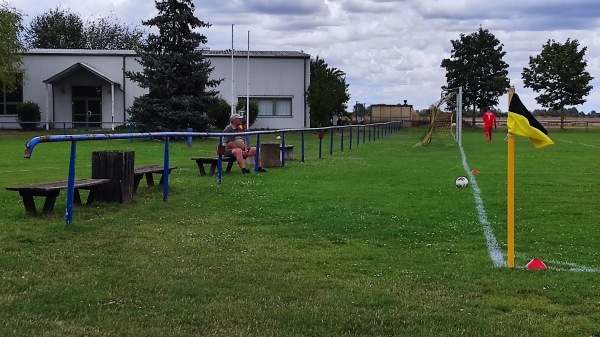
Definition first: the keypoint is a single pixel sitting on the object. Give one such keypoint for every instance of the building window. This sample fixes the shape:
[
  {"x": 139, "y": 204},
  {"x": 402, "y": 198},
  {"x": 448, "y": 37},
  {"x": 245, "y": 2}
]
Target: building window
[
  {"x": 10, "y": 100},
  {"x": 272, "y": 106}
]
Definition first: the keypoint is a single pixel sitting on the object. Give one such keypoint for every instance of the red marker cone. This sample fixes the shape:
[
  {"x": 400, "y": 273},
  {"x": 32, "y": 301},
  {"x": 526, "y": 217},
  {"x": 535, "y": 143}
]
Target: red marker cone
[
  {"x": 475, "y": 171},
  {"x": 536, "y": 264}
]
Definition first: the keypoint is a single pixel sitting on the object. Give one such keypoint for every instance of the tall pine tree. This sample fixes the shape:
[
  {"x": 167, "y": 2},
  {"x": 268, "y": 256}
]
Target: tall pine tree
[{"x": 175, "y": 72}]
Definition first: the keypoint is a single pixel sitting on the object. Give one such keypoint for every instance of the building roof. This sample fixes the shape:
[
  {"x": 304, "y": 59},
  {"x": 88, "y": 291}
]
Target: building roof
[
  {"x": 206, "y": 52},
  {"x": 256, "y": 53},
  {"x": 393, "y": 105},
  {"x": 76, "y": 68},
  {"x": 77, "y": 52}
]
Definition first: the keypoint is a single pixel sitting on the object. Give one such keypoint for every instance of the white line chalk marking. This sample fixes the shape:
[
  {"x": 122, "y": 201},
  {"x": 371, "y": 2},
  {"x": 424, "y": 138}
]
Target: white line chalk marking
[
  {"x": 498, "y": 258},
  {"x": 568, "y": 141},
  {"x": 490, "y": 239}
]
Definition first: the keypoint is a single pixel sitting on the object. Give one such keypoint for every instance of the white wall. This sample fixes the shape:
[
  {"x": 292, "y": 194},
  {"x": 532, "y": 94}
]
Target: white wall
[
  {"x": 270, "y": 76},
  {"x": 43, "y": 64}
]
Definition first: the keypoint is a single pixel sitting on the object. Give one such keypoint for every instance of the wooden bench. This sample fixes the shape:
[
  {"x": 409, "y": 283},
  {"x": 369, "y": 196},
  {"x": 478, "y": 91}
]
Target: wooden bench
[
  {"x": 148, "y": 171},
  {"x": 213, "y": 161},
  {"x": 52, "y": 190}
]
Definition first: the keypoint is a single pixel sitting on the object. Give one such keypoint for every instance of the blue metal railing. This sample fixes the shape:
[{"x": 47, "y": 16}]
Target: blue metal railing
[{"x": 189, "y": 135}]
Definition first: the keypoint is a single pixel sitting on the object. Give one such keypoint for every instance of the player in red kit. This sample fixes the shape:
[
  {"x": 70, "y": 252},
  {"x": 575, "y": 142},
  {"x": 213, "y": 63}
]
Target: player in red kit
[{"x": 489, "y": 120}]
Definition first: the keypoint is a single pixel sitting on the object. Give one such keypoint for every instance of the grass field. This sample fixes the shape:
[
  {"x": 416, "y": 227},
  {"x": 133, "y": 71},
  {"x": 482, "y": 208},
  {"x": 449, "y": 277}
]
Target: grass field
[{"x": 372, "y": 241}]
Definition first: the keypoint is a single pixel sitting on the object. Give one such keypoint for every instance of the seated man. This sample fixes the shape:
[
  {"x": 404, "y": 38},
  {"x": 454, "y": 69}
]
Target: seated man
[{"x": 235, "y": 146}]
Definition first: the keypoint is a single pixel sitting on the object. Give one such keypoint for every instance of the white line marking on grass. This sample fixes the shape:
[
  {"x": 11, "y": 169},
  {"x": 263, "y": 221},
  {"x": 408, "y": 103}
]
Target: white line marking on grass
[
  {"x": 490, "y": 239},
  {"x": 564, "y": 266},
  {"x": 492, "y": 244},
  {"x": 573, "y": 267},
  {"x": 568, "y": 141}
]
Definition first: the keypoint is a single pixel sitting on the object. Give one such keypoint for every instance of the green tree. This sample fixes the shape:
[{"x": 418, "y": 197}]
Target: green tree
[
  {"x": 327, "y": 94},
  {"x": 559, "y": 74},
  {"x": 56, "y": 29},
  {"x": 29, "y": 115},
  {"x": 476, "y": 64},
  {"x": 175, "y": 72},
  {"x": 109, "y": 33},
  {"x": 219, "y": 115},
  {"x": 241, "y": 105},
  {"x": 360, "y": 109},
  {"x": 61, "y": 29},
  {"x": 11, "y": 67}
]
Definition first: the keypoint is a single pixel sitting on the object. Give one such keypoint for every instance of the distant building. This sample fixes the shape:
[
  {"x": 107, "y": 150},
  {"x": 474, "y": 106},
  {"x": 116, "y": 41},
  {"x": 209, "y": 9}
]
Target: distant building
[
  {"x": 88, "y": 88},
  {"x": 386, "y": 113}
]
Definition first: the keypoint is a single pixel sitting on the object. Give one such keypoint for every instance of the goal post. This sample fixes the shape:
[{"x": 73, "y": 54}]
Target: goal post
[
  {"x": 445, "y": 127},
  {"x": 459, "y": 112},
  {"x": 458, "y": 119}
]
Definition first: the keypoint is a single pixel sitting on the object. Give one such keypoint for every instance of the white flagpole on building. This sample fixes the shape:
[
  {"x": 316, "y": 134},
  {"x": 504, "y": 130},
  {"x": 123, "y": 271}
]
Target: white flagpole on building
[
  {"x": 248, "y": 86},
  {"x": 232, "y": 103}
]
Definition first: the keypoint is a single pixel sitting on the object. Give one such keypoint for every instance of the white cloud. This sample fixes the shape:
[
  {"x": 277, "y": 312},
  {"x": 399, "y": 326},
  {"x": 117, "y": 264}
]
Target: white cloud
[{"x": 391, "y": 50}]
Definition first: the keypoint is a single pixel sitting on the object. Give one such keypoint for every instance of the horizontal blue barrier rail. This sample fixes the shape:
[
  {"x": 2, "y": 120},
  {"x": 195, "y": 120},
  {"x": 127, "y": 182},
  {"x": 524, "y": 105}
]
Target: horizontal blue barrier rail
[{"x": 379, "y": 129}]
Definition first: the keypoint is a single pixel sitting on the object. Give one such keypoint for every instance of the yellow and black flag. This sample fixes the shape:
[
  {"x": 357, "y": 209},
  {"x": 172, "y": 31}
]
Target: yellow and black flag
[{"x": 521, "y": 122}]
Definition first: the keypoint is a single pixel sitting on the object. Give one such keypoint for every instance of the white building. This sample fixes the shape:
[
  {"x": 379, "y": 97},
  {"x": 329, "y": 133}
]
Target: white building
[{"x": 88, "y": 88}]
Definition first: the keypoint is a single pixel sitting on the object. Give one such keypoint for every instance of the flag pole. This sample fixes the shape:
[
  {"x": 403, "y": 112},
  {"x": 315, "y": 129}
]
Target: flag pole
[
  {"x": 232, "y": 90},
  {"x": 248, "y": 90},
  {"x": 510, "y": 206},
  {"x": 248, "y": 85}
]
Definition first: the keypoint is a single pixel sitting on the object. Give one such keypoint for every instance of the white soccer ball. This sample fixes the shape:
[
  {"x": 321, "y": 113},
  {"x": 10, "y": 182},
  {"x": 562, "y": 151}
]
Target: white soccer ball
[{"x": 462, "y": 182}]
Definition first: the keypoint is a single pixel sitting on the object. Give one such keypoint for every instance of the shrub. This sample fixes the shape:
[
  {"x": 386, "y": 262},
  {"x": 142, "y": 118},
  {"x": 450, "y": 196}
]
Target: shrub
[
  {"x": 253, "y": 109},
  {"x": 29, "y": 115},
  {"x": 126, "y": 128},
  {"x": 220, "y": 114},
  {"x": 177, "y": 113}
]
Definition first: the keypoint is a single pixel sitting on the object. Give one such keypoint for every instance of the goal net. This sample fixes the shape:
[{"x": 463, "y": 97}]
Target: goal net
[{"x": 442, "y": 127}]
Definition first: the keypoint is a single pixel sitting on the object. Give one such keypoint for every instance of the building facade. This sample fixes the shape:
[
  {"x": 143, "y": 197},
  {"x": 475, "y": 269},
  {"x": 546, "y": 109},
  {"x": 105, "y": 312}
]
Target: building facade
[{"x": 89, "y": 89}]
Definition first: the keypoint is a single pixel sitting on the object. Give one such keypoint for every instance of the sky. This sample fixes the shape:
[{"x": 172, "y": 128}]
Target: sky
[{"x": 390, "y": 50}]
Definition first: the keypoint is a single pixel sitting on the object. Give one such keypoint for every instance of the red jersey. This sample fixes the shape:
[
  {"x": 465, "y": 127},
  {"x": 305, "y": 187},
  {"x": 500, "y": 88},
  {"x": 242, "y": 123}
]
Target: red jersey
[{"x": 489, "y": 119}]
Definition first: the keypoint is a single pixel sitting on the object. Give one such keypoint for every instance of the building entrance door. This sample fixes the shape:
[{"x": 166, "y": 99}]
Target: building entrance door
[{"x": 87, "y": 106}]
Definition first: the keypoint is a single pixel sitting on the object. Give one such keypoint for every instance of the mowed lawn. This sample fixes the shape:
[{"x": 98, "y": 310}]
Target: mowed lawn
[{"x": 372, "y": 241}]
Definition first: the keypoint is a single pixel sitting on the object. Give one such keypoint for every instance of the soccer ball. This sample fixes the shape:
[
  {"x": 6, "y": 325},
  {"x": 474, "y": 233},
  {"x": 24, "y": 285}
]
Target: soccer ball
[{"x": 461, "y": 182}]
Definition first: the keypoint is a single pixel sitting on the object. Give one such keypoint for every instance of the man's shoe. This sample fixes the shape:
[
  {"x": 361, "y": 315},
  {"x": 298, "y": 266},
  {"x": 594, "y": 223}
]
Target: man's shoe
[
  {"x": 245, "y": 171},
  {"x": 260, "y": 169}
]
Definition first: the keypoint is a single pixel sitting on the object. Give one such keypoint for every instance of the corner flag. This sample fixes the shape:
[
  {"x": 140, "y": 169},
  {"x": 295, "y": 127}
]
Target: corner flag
[{"x": 521, "y": 122}]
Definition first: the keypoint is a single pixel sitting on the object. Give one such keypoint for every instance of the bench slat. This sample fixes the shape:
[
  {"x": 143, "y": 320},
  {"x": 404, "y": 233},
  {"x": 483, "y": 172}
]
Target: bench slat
[
  {"x": 138, "y": 174},
  {"x": 213, "y": 161},
  {"x": 52, "y": 190},
  {"x": 58, "y": 185},
  {"x": 151, "y": 169}
]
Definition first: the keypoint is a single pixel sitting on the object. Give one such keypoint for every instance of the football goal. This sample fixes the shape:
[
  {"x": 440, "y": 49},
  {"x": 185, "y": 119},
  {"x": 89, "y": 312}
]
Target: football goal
[{"x": 443, "y": 128}]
